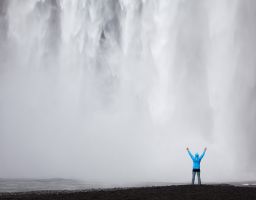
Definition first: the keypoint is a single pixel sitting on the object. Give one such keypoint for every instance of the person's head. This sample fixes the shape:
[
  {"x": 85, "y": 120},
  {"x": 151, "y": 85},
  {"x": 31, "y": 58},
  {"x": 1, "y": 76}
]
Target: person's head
[{"x": 196, "y": 155}]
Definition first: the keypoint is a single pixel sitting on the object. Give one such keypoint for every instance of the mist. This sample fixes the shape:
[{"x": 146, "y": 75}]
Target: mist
[{"x": 113, "y": 91}]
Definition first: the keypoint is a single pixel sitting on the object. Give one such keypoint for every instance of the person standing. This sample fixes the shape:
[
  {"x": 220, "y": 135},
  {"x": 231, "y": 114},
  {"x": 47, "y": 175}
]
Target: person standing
[{"x": 196, "y": 165}]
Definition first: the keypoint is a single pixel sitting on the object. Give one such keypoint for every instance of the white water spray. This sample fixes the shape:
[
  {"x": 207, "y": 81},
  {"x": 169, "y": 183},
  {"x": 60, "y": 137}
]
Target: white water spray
[{"x": 113, "y": 91}]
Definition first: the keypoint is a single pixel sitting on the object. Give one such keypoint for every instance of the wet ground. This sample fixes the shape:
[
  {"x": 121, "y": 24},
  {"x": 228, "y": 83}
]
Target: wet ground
[{"x": 181, "y": 192}]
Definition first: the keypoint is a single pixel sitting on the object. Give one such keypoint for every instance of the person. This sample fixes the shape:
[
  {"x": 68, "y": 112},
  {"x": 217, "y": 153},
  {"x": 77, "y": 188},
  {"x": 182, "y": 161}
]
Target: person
[{"x": 196, "y": 165}]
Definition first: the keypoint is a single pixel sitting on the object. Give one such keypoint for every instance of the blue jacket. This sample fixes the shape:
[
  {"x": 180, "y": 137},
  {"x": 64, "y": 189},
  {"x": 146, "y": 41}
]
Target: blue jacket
[{"x": 196, "y": 159}]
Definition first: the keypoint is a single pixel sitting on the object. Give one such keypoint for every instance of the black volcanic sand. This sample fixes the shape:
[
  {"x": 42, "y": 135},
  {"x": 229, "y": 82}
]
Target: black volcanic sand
[{"x": 182, "y": 192}]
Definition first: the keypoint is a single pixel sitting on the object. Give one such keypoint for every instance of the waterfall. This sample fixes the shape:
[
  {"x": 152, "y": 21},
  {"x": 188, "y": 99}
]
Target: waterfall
[{"x": 114, "y": 90}]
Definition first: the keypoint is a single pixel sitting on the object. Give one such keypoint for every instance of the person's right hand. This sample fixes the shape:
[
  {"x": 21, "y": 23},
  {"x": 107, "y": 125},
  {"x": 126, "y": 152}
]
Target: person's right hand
[
  {"x": 187, "y": 148},
  {"x": 205, "y": 148}
]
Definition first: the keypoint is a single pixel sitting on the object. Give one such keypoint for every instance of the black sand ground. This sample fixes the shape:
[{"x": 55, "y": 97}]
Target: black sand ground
[{"x": 182, "y": 192}]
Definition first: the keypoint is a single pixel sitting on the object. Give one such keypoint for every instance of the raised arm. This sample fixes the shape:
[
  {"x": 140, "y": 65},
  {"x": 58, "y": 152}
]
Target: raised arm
[
  {"x": 190, "y": 154},
  {"x": 203, "y": 153}
]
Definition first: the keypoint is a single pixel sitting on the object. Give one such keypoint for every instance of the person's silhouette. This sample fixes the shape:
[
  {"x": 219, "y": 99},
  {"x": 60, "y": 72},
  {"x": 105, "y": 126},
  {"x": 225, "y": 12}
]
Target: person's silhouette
[{"x": 196, "y": 165}]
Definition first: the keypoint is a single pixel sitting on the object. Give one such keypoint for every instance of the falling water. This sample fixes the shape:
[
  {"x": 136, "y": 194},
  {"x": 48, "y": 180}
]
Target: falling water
[{"x": 114, "y": 90}]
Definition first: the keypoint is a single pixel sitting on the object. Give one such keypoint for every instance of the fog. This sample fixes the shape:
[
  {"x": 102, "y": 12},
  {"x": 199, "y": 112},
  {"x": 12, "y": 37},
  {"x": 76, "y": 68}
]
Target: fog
[{"x": 113, "y": 91}]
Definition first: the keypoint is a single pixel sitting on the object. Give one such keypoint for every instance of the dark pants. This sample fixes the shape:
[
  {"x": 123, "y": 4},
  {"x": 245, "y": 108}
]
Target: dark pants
[{"x": 194, "y": 172}]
